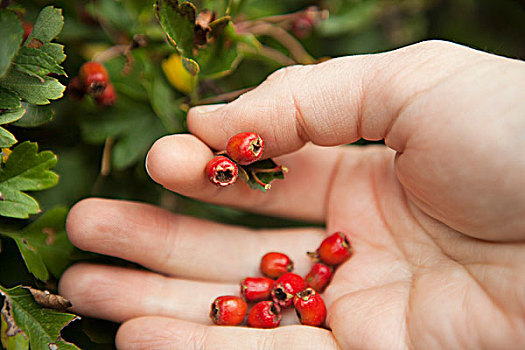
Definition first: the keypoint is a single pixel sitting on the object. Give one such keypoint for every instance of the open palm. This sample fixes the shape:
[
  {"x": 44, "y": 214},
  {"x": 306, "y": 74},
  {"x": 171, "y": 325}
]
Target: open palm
[{"x": 436, "y": 219}]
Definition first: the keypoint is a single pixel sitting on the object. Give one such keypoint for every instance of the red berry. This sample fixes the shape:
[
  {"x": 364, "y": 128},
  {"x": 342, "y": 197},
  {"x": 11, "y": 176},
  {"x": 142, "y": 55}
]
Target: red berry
[
  {"x": 245, "y": 148},
  {"x": 108, "y": 97},
  {"x": 302, "y": 26},
  {"x": 334, "y": 250},
  {"x": 285, "y": 288},
  {"x": 274, "y": 265},
  {"x": 264, "y": 314},
  {"x": 221, "y": 171},
  {"x": 310, "y": 307},
  {"x": 319, "y": 277},
  {"x": 75, "y": 89},
  {"x": 256, "y": 288},
  {"x": 94, "y": 77},
  {"x": 228, "y": 310}
]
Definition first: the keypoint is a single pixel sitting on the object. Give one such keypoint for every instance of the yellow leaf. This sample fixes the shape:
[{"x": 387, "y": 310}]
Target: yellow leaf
[
  {"x": 5, "y": 152},
  {"x": 177, "y": 75}
]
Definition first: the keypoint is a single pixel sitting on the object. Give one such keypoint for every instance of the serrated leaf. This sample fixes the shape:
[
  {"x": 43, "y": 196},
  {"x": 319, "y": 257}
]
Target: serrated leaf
[
  {"x": 41, "y": 325},
  {"x": 17, "y": 341},
  {"x": 26, "y": 169},
  {"x": 44, "y": 245},
  {"x": 6, "y": 140},
  {"x": 31, "y": 89},
  {"x": 8, "y": 100},
  {"x": 11, "y": 115},
  {"x": 11, "y": 35},
  {"x": 38, "y": 62},
  {"x": 47, "y": 26},
  {"x": 254, "y": 170},
  {"x": 177, "y": 18},
  {"x": 54, "y": 50},
  {"x": 35, "y": 115}
]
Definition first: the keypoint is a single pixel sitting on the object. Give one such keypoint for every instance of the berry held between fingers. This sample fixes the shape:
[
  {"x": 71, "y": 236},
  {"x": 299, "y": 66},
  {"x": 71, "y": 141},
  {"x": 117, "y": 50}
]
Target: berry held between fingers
[
  {"x": 264, "y": 314},
  {"x": 228, "y": 310},
  {"x": 285, "y": 288},
  {"x": 256, "y": 288},
  {"x": 94, "y": 77},
  {"x": 274, "y": 265},
  {"x": 221, "y": 171},
  {"x": 245, "y": 148},
  {"x": 310, "y": 307}
]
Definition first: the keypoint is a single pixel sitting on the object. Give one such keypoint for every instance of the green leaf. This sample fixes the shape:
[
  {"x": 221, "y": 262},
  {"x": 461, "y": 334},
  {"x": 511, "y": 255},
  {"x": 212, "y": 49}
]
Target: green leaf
[
  {"x": 42, "y": 326},
  {"x": 163, "y": 103},
  {"x": 6, "y": 140},
  {"x": 178, "y": 21},
  {"x": 38, "y": 62},
  {"x": 216, "y": 60},
  {"x": 8, "y": 100},
  {"x": 31, "y": 89},
  {"x": 17, "y": 341},
  {"x": 54, "y": 50},
  {"x": 47, "y": 26},
  {"x": 44, "y": 245},
  {"x": 35, "y": 116},
  {"x": 11, "y": 35},
  {"x": 25, "y": 170},
  {"x": 11, "y": 115},
  {"x": 249, "y": 172}
]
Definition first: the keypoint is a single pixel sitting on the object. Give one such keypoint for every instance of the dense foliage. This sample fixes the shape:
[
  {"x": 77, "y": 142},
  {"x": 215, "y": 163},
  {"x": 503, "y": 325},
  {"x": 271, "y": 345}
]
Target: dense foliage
[{"x": 163, "y": 57}]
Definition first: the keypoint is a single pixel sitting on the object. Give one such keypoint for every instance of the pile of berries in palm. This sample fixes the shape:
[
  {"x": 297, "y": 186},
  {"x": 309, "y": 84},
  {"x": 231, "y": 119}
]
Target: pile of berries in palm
[
  {"x": 281, "y": 289},
  {"x": 93, "y": 80},
  {"x": 242, "y": 159}
]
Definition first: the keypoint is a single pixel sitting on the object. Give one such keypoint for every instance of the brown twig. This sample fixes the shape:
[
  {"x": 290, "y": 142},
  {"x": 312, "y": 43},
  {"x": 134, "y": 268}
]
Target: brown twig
[
  {"x": 105, "y": 165},
  {"x": 226, "y": 97},
  {"x": 270, "y": 53}
]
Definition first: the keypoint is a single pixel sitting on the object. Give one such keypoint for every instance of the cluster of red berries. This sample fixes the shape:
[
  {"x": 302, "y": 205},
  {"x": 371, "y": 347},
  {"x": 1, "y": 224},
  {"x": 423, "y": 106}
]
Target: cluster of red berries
[
  {"x": 93, "y": 79},
  {"x": 282, "y": 289},
  {"x": 242, "y": 149}
]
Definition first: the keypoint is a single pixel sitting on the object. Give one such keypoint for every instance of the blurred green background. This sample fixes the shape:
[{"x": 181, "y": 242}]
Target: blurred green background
[{"x": 353, "y": 27}]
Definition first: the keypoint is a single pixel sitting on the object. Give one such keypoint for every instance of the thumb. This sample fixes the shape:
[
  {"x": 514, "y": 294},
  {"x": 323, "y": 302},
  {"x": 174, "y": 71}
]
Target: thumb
[{"x": 332, "y": 103}]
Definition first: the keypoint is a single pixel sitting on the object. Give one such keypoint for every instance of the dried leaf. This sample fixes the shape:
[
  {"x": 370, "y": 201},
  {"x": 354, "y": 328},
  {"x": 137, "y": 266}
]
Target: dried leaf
[{"x": 49, "y": 300}]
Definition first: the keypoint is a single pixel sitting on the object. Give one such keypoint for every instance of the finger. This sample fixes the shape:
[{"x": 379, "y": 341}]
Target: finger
[
  {"x": 178, "y": 162},
  {"x": 167, "y": 333},
  {"x": 119, "y": 294},
  {"x": 332, "y": 103},
  {"x": 182, "y": 246}
]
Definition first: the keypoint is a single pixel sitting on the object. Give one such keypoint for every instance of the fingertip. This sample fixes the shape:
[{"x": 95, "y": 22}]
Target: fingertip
[{"x": 178, "y": 162}]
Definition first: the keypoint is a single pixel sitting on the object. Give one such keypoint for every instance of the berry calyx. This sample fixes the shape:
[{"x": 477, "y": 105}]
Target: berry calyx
[
  {"x": 334, "y": 250},
  {"x": 274, "y": 265},
  {"x": 256, "y": 288},
  {"x": 245, "y": 148},
  {"x": 310, "y": 307},
  {"x": 264, "y": 314},
  {"x": 221, "y": 171},
  {"x": 285, "y": 288},
  {"x": 108, "y": 97},
  {"x": 318, "y": 277},
  {"x": 228, "y": 310},
  {"x": 94, "y": 77}
]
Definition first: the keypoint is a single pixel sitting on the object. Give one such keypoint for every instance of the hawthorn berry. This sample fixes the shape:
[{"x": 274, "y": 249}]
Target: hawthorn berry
[
  {"x": 108, "y": 97},
  {"x": 334, "y": 250},
  {"x": 302, "y": 26},
  {"x": 274, "y": 264},
  {"x": 94, "y": 77},
  {"x": 319, "y": 276},
  {"x": 256, "y": 288},
  {"x": 264, "y": 314},
  {"x": 310, "y": 307},
  {"x": 245, "y": 148},
  {"x": 285, "y": 288},
  {"x": 228, "y": 310},
  {"x": 221, "y": 171}
]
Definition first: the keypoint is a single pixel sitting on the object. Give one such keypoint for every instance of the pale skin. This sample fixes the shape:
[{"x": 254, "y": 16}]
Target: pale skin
[{"x": 436, "y": 218}]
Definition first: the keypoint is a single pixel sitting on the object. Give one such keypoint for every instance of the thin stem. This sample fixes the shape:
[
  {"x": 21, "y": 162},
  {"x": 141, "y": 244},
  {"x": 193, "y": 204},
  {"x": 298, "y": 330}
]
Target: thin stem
[
  {"x": 105, "y": 165},
  {"x": 256, "y": 179},
  {"x": 226, "y": 97},
  {"x": 278, "y": 168},
  {"x": 268, "y": 52}
]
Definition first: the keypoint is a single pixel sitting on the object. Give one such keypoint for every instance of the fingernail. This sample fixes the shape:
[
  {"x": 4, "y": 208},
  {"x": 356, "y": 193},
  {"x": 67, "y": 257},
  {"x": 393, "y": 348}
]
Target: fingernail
[{"x": 206, "y": 108}]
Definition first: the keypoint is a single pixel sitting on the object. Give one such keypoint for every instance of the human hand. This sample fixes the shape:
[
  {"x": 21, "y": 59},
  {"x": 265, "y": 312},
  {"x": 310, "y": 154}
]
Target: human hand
[{"x": 436, "y": 219}]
